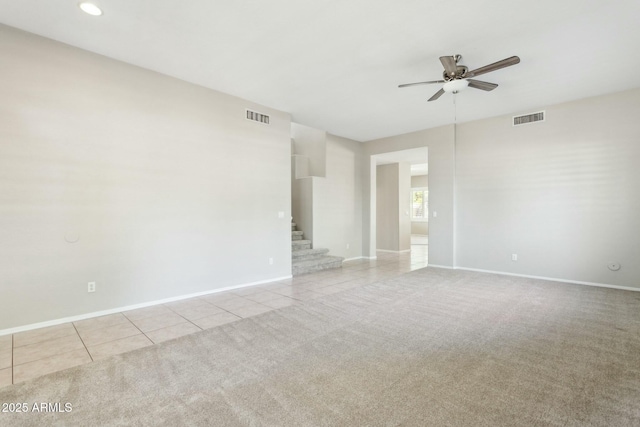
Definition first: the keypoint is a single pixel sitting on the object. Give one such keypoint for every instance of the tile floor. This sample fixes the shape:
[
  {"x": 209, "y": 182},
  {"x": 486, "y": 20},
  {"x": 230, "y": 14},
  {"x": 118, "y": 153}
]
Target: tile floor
[{"x": 30, "y": 354}]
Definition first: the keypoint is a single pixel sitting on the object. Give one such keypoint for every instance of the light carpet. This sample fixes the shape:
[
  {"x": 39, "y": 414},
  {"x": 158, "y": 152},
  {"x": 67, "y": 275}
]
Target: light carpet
[{"x": 428, "y": 348}]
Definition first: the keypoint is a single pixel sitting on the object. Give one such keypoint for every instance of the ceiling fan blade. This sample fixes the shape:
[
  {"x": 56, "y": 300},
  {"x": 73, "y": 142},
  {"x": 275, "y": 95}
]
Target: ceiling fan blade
[
  {"x": 421, "y": 83},
  {"x": 449, "y": 64},
  {"x": 495, "y": 66},
  {"x": 437, "y": 95},
  {"x": 482, "y": 85}
]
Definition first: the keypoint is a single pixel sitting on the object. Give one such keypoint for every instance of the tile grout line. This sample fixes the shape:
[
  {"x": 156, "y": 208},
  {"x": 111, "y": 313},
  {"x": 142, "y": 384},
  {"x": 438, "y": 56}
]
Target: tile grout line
[
  {"x": 136, "y": 326},
  {"x": 176, "y": 313},
  {"x": 230, "y": 312},
  {"x": 48, "y": 357},
  {"x": 117, "y": 339},
  {"x": 82, "y": 341},
  {"x": 380, "y": 266},
  {"x": 189, "y": 321}
]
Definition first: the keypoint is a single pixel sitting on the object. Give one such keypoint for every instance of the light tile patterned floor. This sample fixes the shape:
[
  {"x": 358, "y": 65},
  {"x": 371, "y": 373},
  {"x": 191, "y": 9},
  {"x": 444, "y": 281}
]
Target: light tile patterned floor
[{"x": 30, "y": 354}]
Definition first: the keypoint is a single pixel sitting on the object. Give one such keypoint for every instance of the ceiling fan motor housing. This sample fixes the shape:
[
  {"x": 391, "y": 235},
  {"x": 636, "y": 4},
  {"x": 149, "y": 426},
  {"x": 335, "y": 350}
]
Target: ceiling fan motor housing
[{"x": 461, "y": 72}]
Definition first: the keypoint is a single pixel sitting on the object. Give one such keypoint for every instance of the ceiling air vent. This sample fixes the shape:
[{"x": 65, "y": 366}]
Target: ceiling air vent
[
  {"x": 257, "y": 117},
  {"x": 528, "y": 118}
]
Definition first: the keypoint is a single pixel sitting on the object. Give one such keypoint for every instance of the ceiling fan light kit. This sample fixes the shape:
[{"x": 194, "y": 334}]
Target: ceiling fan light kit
[
  {"x": 458, "y": 77},
  {"x": 455, "y": 85}
]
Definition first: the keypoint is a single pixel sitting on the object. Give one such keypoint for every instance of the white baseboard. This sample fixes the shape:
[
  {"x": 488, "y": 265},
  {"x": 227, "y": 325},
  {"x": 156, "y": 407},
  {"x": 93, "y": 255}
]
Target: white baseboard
[
  {"x": 448, "y": 267},
  {"x": 132, "y": 307},
  {"x": 394, "y": 252},
  {"x": 552, "y": 279},
  {"x": 354, "y": 258}
]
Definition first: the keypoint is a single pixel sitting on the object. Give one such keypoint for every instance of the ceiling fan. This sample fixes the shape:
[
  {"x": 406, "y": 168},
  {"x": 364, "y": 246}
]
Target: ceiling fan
[{"x": 457, "y": 77}]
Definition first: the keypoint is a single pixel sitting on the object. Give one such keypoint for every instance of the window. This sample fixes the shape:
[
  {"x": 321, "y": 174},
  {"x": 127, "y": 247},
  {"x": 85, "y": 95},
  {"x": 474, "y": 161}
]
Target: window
[{"x": 419, "y": 204}]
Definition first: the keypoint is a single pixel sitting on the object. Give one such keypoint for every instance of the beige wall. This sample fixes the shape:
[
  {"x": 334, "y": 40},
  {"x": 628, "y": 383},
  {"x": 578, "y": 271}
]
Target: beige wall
[
  {"x": 441, "y": 180},
  {"x": 387, "y": 212},
  {"x": 166, "y": 186},
  {"x": 312, "y": 144},
  {"x": 149, "y": 174},
  {"x": 419, "y": 181},
  {"x": 328, "y": 209},
  {"x": 419, "y": 228},
  {"x": 302, "y": 205},
  {"x": 393, "y": 222},
  {"x": 564, "y": 194},
  {"x": 337, "y": 199},
  {"x": 404, "y": 206}
]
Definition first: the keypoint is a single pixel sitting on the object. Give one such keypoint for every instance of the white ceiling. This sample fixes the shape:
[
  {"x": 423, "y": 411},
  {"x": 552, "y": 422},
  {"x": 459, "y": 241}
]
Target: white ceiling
[{"x": 335, "y": 65}]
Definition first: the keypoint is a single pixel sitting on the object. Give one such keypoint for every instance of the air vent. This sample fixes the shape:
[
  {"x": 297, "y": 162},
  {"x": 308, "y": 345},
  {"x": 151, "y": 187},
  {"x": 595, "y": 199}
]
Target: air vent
[
  {"x": 528, "y": 118},
  {"x": 257, "y": 117}
]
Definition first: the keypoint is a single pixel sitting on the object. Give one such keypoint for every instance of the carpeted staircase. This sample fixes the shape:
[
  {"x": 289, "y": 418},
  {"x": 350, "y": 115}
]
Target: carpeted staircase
[{"x": 307, "y": 260}]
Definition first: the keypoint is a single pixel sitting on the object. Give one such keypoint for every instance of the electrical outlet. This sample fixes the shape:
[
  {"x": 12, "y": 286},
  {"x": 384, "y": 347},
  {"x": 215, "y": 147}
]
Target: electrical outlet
[
  {"x": 91, "y": 287},
  {"x": 514, "y": 257},
  {"x": 270, "y": 261},
  {"x": 347, "y": 246}
]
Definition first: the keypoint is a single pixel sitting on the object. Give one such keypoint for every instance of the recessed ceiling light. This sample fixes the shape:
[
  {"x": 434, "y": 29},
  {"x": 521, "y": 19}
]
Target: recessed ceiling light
[{"x": 90, "y": 8}]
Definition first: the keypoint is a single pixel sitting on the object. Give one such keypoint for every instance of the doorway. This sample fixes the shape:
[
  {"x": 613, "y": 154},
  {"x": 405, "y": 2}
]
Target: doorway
[{"x": 401, "y": 206}]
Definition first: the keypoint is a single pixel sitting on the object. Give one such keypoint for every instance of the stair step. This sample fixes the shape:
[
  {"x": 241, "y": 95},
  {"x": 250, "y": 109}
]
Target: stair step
[
  {"x": 300, "y": 244},
  {"x": 304, "y": 254},
  {"x": 293, "y": 226},
  {"x": 296, "y": 237},
  {"x": 297, "y": 233},
  {"x": 309, "y": 266}
]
